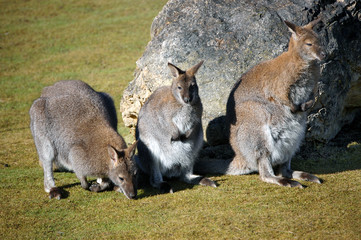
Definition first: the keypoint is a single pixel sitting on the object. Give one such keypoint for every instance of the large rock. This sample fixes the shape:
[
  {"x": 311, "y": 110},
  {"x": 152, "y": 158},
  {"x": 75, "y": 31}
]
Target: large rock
[{"x": 234, "y": 35}]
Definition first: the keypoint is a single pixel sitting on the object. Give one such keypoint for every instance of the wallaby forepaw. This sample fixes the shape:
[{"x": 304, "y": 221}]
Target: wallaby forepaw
[
  {"x": 95, "y": 187},
  {"x": 165, "y": 188},
  {"x": 307, "y": 105},
  {"x": 55, "y": 193},
  {"x": 207, "y": 182}
]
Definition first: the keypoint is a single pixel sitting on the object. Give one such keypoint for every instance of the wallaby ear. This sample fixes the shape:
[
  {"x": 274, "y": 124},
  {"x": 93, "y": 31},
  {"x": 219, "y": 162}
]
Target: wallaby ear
[
  {"x": 193, "y": 70},
  {"x": 113, "y": 154},
  {"x": 175, "y": 70},
  {"x": 131, "y": 149},
  {"x": 292, "y": 28},
  {"x": 310, "y": 25}
]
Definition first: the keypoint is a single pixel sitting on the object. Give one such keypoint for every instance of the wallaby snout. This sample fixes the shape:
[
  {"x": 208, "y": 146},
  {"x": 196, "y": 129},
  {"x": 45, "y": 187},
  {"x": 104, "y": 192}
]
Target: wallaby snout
[
  {"x": 322, "y": 55},
  {"x": 317, "y": 53},
  {"x": 129, "y": 190},
  {"x": 188, "y": 97},
  {"x": 122, "y": 170}
]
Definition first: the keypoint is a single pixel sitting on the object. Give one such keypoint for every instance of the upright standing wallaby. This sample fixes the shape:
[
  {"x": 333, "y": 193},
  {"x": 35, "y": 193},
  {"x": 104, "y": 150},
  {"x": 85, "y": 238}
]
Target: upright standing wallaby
[
  {"x": 169, "y": 131},
  {"x": 265, "y": 112},
  {"x": 75, "y": 127}
]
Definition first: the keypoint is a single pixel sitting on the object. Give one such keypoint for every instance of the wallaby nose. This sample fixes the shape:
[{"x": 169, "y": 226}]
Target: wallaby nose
[
  {"x": 188, "y": 99},
  {"x": 322, "y": 55},
  {"x": 129, "y": 191},
  {"x": 133, "y": 196}
]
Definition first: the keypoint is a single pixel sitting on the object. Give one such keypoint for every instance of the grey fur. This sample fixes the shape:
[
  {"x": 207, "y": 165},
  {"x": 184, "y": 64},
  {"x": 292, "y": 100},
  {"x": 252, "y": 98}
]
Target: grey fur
[
  {"x": 75, "y": 127},
  {"x": 169, "y": 131}
]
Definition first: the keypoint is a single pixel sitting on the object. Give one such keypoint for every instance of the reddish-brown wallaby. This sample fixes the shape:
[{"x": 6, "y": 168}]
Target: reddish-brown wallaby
[
  {"x": 75, "y": 127},
  {"x": 266, "y": 112}
]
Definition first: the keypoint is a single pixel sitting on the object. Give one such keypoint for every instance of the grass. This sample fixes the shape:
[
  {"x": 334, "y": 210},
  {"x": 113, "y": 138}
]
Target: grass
[{"x": 99, "y": 42}]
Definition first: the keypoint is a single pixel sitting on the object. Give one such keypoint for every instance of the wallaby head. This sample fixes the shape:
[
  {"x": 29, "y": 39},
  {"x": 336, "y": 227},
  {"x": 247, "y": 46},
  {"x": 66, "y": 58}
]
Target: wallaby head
[
  {"x": 184, "y": 85},
  {"x": 305, "y": 42},
  {"x": 122, "y": 170}
]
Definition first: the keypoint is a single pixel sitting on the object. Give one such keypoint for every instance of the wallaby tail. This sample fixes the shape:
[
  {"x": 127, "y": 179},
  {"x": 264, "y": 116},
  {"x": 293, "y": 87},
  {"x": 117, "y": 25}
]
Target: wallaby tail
[{"x": 212, "y": 166}]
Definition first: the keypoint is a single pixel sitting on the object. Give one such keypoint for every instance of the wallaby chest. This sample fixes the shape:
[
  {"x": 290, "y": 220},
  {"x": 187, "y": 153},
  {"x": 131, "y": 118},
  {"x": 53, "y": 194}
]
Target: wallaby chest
[
  {"x": 187, "y": 117},
  {"x": 301, "y": 90}
]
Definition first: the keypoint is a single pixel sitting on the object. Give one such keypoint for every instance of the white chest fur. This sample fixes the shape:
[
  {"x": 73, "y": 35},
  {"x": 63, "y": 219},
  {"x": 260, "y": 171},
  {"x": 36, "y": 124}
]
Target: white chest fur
[
  {"x": 284, "y": 138},
  {"x": 185, "y": 119}
]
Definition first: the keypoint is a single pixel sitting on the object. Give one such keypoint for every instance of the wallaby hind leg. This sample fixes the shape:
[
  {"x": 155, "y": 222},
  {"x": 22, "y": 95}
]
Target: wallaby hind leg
[
  {"x": 100, "y": 185},
  {"x": 287, "y": 172},
  {"x": 150, "y": 166},
  {"x": 267, "y": 174},
  {"x": 46, "y": 151},
  {"x": 156, "y": 180},
  {"x": 46, "y": 157}
]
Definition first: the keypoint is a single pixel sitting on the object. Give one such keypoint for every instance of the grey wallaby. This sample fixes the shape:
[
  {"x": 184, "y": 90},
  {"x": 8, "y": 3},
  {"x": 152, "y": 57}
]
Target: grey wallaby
[
  {"x": 75, "y": 128},
  {"x": 169, "y": 131},
  {"x": 266, "y": 112}
]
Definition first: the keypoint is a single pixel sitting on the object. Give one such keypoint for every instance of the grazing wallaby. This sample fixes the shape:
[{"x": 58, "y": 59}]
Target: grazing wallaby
[
  {"x": 75, "y": 127},
  {"x": 265, "y": 112},
  {"x": 169, "y": 131}
]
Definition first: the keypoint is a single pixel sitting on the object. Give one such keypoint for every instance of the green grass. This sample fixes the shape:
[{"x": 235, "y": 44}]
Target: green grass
[{"x": 99, "y": 42}]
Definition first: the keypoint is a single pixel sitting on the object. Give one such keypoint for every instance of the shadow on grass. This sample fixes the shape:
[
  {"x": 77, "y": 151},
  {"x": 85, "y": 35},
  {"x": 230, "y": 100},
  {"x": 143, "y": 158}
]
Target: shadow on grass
[
  {"x": 149, "y": 191},
  {"x": 343, "y": 153}
]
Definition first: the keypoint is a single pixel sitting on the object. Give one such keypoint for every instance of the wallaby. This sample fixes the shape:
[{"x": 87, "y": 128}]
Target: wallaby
[
  {"x": 266, "y": 112},
  {"x": 169, "y": 131},
  {"x": 75, "y": 127}
]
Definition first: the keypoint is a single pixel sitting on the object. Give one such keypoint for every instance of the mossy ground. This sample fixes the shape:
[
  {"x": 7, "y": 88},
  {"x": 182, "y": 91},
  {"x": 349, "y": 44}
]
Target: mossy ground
[{"x": 99, "y": 42}]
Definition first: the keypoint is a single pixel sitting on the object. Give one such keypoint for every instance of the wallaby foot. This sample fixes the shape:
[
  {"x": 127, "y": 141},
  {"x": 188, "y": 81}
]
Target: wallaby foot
[
  {"x": 55, "y": 193},
  {"x": 196, "y": 179},
  {"x": 164, "y": 187},
  {"x": 285, "y": 170},
  {"x": 306, "y": 177},
  {"x": 267, "y": 174},
  {"x": 285, "y": 182},
  {"x": 207, "y": 182},
  {"x": 289, "y": 183}
]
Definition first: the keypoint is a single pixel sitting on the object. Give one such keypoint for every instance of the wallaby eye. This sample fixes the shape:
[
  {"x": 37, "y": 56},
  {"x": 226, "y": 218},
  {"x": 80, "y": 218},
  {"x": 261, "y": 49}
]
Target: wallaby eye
[
  {"x": 121, "y": 179},
  {"x": 179, "y": 87},
  {"x": 309, "y": 44}
]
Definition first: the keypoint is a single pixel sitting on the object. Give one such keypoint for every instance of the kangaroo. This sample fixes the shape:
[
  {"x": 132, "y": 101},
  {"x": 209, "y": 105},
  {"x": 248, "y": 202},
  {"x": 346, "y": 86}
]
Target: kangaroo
[
  {"x": 169, "y": 131},
  {"x": 266, "y": 112},
  {"x": 75, "y": 127}
]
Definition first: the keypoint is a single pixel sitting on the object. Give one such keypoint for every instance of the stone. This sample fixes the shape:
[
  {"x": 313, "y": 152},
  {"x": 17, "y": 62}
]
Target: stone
[{"x": 234, "y": 35}]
